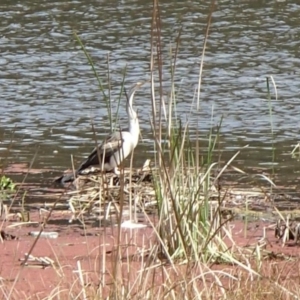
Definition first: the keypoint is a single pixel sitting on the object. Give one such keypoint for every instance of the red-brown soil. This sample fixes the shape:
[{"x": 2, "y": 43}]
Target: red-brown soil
[
  {"x": 89, "y": 248},
  {"x": 23, "y": 168},
  {"x": 86, "y": 246},
  {"x": 74, "y": 244}
]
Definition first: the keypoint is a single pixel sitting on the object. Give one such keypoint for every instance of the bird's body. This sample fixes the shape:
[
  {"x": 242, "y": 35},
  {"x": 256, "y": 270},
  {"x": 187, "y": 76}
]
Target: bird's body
[{"x": 115, "y": 148}]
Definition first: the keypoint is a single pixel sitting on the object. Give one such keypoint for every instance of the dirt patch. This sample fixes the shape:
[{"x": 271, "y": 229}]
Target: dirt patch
[
  {"x": 55, "y": 263},
  {"x": 75, "y": 245},
  {"x": 23, "y": 168},
  {"x": 82, "y": 259}
]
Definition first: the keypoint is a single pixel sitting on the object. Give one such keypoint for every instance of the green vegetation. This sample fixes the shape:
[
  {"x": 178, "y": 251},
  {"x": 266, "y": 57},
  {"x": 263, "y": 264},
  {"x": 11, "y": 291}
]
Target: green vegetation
[
  {"x": 6, "y": 184},
  {"x": 7, "y": 188}
]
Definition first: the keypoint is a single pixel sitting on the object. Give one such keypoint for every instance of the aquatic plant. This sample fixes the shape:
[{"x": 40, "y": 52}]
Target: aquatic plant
[{"x": 7, "y": 186}]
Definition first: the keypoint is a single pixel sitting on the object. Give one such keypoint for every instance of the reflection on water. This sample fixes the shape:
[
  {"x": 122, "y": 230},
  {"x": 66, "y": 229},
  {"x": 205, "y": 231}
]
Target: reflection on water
[{"x": 49, "y": 93}]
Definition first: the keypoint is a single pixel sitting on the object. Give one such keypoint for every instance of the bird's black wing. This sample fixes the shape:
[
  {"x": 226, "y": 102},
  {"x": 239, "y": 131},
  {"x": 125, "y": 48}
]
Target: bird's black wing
[
  {"x": 109, "y": 147},
  {"x": 104, "y": 151}
]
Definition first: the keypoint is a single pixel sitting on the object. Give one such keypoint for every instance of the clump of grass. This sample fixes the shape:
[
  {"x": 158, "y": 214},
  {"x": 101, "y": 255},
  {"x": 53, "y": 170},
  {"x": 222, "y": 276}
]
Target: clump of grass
[{"x": 189, "y": 226}]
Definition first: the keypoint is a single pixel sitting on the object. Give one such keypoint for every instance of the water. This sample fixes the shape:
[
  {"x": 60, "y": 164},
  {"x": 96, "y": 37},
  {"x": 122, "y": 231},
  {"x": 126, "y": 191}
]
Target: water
[{"x": 50, "y": 95}]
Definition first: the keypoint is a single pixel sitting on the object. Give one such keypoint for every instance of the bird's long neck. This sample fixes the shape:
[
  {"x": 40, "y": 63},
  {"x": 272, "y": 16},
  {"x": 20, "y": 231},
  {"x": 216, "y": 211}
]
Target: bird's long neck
[{"x": 134, "y": 129}]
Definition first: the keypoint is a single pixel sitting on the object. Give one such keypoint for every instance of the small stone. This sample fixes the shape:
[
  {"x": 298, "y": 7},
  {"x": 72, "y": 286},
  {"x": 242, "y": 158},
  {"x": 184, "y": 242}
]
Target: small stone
[{"x": 49, "y": 235}]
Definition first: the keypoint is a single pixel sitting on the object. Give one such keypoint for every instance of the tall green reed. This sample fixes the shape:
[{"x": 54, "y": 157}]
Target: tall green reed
[{"x": 188, "y": 225}]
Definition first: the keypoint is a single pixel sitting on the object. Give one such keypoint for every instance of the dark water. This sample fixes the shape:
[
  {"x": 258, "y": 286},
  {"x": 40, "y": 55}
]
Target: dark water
[{"x": 49, "y": 93}]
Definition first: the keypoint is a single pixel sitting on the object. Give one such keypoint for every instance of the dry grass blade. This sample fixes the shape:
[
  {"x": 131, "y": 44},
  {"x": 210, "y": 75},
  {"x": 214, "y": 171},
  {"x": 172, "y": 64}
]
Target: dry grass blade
[
  {"x": 229, "y": 162},
  {"x": 203, "y": 51}
]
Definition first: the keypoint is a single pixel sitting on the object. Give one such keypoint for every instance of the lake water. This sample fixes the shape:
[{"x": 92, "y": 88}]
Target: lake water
[{"x": 49, "y": 93}]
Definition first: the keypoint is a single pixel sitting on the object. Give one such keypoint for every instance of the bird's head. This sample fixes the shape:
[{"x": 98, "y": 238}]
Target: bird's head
[{"x": 130, "y": 111}]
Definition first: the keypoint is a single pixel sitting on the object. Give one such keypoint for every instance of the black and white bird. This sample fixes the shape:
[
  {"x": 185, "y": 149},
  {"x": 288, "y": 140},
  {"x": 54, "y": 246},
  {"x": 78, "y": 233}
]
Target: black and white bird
[{"x": 115, "y": 148}]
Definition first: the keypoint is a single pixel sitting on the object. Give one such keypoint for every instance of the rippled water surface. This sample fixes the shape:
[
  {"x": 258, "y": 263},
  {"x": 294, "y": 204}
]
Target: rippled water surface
[{"x": 49, "y": 93}]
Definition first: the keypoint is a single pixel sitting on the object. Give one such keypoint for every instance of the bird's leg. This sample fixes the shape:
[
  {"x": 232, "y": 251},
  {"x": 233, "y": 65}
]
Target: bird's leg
[{"x": 117, "y": 171}]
